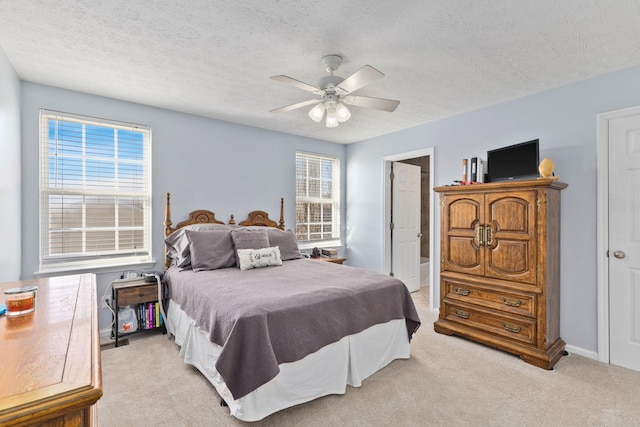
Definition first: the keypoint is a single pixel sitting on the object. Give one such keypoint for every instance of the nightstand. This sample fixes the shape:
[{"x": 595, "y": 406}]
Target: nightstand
[
  {"x": 143, "y": 296},
  {"x": 333, "y": 260}
]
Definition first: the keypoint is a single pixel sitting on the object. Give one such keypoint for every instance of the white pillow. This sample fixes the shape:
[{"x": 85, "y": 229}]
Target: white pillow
[{"x": 257, "y": 258}]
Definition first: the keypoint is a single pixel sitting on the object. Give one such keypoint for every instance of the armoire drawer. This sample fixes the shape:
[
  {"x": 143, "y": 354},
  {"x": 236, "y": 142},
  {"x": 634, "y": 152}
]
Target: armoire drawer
[
  {"x": 520, "y": 303},
  {"x": 516, "y": 328}
]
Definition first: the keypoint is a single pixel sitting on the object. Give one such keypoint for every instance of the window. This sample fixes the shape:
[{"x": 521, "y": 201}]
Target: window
[
  {"x": 95, "y": 192},
  {"x": 317, "y": 199}
]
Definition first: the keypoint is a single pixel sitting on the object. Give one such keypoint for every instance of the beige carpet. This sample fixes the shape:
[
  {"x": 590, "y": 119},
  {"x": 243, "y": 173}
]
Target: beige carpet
[{"x": 448, "y": 381}]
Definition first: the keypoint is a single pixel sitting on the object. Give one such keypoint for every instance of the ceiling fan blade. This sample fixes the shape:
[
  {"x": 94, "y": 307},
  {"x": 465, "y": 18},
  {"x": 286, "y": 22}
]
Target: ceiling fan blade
[
  {"x": 294, "y": 106},
  {"x": 297, "y": 83},
  {"x": 360, "y": 78},
  {"x": 368, "y": 102}
]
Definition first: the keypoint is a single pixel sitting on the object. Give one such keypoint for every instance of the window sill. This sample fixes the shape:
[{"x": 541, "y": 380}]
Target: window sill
[
  {"x": 323, "y": 244},
  {"x": 109, "y": 268}
]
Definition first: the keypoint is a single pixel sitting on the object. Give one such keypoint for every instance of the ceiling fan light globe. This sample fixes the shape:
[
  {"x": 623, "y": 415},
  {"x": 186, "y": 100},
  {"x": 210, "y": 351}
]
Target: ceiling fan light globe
[
  {"x": 332, "y": 120},
  {"x": 342, "y": 113},
  {"x": 317, "y": 112}
]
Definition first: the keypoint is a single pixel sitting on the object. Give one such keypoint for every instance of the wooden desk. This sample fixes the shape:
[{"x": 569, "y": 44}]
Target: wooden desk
[{"x": 50, "y": 372}]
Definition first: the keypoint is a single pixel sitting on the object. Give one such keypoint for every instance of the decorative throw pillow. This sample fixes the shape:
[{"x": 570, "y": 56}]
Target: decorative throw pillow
[
  {"x": 286, "y": 241},
  {"x": 249, "y": 238},
  {"x": 178, "y": 243},
  {"x": 257, "y": 258},
  {"x": 211, "y": 250}
]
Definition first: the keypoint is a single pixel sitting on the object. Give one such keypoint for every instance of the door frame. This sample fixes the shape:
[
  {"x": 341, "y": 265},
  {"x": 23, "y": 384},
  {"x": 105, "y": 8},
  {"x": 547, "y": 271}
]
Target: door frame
[
  {"x": 602, "y": 233},
  {"x": 386, "y": 203}
]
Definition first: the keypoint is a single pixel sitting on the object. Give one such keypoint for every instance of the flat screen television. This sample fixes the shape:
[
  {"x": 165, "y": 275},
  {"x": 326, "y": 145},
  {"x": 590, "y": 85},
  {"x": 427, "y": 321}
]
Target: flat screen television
[{"x": 515, "y": 162}]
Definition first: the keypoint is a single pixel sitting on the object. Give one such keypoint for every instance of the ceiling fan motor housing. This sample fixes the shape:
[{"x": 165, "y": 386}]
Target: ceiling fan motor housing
[
  {"x": 332, "y": 62},
  {"x": 330, "y": 83}
]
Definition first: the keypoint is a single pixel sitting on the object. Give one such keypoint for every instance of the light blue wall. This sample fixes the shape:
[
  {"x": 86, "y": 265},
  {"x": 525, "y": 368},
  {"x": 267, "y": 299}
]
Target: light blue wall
[
  {"x": 234, "y": 169},
  {"x": 10, "y": 190},
  {"x": 203, "y": 163},
  {"x": 564, "y": 119}
]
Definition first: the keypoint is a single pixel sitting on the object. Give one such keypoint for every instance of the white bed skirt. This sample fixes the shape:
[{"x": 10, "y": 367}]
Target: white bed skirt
[{"x": 327, "y": 371}]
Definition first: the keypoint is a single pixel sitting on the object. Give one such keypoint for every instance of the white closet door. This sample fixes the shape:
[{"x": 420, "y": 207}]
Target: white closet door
[{"x": 624, "y": 241}]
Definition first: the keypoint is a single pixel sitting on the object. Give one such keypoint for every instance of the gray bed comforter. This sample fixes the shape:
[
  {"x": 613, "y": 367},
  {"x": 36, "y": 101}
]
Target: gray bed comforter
[{"x": 267, "y": 316}]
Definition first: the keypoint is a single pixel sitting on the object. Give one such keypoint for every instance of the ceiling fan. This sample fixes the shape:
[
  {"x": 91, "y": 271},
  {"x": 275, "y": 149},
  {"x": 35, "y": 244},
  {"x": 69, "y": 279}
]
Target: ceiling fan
[{"x": 334, "y": 93}]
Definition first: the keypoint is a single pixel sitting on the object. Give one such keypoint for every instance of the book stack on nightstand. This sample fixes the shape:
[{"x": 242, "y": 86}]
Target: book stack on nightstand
[
  {"x": 330, "y": 255},
  {"x": 330, "y": 252}
]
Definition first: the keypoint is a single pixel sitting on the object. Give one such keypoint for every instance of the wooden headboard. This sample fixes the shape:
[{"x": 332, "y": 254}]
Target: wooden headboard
[{"x": 202, "y": 216}]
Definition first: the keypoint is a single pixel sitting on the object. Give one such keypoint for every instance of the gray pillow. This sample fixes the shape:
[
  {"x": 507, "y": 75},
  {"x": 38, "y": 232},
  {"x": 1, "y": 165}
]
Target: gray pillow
[
  {"x": 287, "y": 242},
  {"x": 211, "y": 250},
  {"x": 249, "y": 238},
  {"x": 178, "y": 243}
]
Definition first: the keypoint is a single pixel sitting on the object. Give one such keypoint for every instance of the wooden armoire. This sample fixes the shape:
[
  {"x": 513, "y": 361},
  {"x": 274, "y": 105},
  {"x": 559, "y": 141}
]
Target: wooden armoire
[{"x": 500, "y": 266}]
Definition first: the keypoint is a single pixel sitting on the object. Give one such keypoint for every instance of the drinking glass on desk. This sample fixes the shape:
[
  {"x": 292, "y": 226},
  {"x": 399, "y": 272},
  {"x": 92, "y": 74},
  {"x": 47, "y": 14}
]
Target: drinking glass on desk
[{"x": 20, "y": 301}]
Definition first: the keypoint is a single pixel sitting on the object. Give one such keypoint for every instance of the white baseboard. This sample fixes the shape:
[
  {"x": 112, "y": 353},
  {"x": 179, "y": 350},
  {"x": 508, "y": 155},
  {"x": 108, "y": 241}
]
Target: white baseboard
[{"x": 581, "y": 352}]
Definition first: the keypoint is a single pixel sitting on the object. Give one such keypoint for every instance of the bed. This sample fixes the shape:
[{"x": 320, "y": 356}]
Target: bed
[{"x": 269, "y": 328}]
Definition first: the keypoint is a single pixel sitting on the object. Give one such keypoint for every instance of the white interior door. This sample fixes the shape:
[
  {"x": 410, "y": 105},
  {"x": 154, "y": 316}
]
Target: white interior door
[
  {"x": 405, "y": 238},
  {"x": 624, "y": 241}
]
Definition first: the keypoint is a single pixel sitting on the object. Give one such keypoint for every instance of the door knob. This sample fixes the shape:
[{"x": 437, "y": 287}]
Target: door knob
[
  {"x": 419, "y": 235},
  {"x": 619, "y": 254}
]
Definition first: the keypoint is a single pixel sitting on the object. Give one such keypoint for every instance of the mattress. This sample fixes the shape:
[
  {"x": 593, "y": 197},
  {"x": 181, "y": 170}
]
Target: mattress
[
  {"x": 265, "y": 317},
  {"x": 327, "y": 371}
]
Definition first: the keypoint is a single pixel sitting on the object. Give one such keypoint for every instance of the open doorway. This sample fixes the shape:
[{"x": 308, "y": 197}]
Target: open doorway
[
  {"x": 425, "y": 214},
  {"x": 425, "y": 160}
]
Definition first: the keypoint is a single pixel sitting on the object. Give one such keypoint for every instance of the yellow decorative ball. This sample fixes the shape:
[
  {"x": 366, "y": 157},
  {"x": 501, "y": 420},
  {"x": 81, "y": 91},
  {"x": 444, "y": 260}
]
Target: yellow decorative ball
[{"x": 546, "y": 168}]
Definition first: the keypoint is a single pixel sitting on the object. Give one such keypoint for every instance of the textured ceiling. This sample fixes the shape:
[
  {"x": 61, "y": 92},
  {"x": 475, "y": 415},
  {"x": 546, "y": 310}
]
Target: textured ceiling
[{"x": 214, "y": 58}]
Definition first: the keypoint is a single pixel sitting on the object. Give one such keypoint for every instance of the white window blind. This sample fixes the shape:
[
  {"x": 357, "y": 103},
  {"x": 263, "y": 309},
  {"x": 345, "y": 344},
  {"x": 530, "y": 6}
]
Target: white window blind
[
  {"x": 95, "y": 192},
  {"x": 317, "y": 198}
]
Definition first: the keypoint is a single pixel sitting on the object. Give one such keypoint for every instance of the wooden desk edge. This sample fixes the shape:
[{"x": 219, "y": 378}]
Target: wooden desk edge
[{"x": 75, "y": 394}]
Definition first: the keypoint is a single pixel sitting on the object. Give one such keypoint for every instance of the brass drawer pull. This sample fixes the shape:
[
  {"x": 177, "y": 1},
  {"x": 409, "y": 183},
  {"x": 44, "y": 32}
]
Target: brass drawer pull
[
  {"x": 480, "y": 235},
  {"x": 489, "y": 237},
  {"x": 461, "y": 291},
  {"x": 461, "y": 314},
  {"x": 511, "y": 302},
  {"x": 511, "y": 328}
]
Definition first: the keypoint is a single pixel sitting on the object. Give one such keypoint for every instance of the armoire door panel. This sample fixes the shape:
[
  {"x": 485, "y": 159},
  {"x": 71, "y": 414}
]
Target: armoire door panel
[
  {"x": 511, "y": 218},
  {"x": 464, "y": 255},
  {"x": 509, "y": 259},
  {"x": 461, "y": 219},
  {"x": 511, "y": 214},
  {"x": 464, "y": 213}
]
